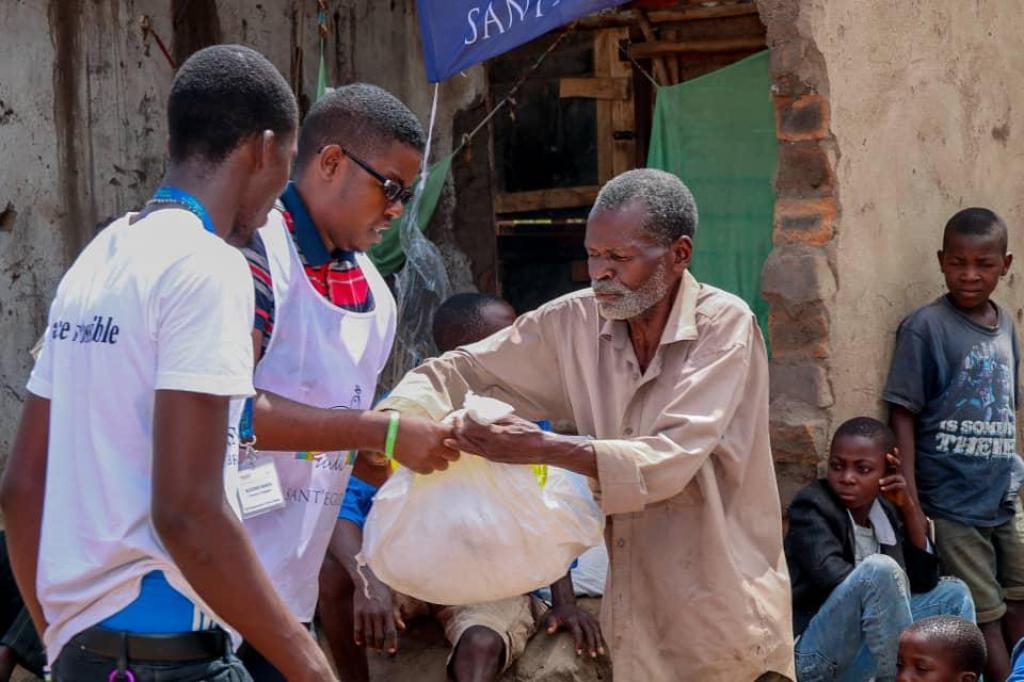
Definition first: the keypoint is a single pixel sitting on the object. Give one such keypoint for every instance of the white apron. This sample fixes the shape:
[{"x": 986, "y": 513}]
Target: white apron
[{"x": 323, "y": 356}]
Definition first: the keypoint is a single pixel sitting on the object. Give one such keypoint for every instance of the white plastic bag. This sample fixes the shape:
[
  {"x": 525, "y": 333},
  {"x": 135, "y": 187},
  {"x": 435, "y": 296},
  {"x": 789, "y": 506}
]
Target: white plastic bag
[{"x": 479, "y": 531}]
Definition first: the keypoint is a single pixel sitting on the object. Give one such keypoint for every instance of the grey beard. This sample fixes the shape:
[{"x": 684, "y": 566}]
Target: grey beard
[{"x": 633, "y": 303}]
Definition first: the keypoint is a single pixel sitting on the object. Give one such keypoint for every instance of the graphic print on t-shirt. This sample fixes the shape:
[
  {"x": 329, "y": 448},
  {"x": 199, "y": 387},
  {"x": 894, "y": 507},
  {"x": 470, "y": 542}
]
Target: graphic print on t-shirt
[{"x": 980, "y": 418}]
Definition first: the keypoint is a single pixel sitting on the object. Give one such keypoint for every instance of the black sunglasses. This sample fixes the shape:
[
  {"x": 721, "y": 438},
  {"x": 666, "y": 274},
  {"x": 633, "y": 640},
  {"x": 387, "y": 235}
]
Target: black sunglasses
[{"x": 393, "y": 191}]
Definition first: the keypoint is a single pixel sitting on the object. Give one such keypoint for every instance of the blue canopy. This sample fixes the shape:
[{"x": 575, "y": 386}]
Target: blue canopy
[{"x": 460, "y": 33}]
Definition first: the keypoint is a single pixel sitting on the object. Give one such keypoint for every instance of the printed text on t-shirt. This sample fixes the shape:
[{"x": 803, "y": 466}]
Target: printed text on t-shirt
[
  {"x": 99, "y": 330},
  {"x": 977, "y": 438}
]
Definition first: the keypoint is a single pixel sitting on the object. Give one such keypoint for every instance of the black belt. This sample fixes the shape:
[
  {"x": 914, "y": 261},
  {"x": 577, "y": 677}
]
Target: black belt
[{"x": 185, "y": 646}]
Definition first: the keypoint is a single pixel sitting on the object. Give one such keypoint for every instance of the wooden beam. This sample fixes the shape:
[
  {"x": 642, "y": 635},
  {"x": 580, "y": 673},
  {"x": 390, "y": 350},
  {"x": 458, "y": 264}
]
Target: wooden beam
[
  {"x": 661, "y": 16},
  {"x": 660, "y": 67},
  {"x": 674, "y": 63},
  {"x": 594, "y": 88},
  {"x": 628, "y": 17},
  {"x": 615, "y": 153},
  {"x": 665, "y": 47},
  {"x": 545, "y": 199}
]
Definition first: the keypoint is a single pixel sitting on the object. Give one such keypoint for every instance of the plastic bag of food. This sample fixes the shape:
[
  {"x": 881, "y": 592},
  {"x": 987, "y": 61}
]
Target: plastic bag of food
[{"x": 479, "y": 531}]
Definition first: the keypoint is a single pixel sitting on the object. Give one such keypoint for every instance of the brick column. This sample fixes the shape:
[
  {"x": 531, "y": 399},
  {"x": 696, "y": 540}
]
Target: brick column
[{"x": 798, "y": 279}]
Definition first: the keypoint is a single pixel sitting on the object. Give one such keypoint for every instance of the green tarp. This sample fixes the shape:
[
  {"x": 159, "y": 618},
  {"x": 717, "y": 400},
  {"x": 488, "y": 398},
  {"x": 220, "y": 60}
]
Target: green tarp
[
  {"x": 717, "y": 133},
  {"x": 388, "y": 255}
]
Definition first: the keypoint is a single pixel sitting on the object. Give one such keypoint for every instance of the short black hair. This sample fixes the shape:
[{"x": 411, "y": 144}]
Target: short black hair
[
  {"x": 360, "y": 117},
  {"x": 221, "y": 96},
  {"x": 460, "y": 320},
  {"x": 976, "y": 222},
  {"x": 671, "y": 208},
  {"x": 958, "y": 638},
  {"x": 867, "y": 427}
]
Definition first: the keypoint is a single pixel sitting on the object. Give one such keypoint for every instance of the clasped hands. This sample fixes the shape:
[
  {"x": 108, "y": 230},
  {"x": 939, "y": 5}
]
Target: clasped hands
[{"x": 425, "y": 446}]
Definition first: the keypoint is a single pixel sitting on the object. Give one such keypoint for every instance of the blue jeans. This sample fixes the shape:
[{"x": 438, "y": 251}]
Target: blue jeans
[{"x": 855, "y": 634}]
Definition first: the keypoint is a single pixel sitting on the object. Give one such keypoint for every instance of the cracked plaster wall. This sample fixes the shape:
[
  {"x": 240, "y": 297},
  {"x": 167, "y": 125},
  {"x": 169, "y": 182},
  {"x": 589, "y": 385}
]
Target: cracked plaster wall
[
  {"x": 82, "y": 93},
  {"x": 926, "y": 115}
]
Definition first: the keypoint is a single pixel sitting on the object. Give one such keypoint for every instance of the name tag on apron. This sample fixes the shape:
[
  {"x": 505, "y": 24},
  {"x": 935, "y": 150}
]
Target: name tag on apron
[{"x": 259, "y": 488}]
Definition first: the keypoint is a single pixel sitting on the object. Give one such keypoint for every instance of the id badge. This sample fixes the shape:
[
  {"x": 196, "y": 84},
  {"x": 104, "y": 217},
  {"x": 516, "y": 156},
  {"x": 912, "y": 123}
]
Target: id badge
[{"x": 259, "y": 488}]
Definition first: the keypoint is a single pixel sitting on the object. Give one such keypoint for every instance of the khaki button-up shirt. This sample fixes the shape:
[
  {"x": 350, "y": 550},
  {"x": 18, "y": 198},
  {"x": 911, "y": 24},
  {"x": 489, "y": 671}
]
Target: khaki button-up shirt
[{"x": 698, "y": 587}]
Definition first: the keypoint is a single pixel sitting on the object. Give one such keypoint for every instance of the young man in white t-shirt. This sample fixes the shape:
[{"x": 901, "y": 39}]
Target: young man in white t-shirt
[{"x": 120, "y": 492}]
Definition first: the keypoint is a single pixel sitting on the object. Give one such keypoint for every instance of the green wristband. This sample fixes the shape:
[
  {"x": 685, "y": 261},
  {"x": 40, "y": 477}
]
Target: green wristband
[{"x": 389, "y": 442}]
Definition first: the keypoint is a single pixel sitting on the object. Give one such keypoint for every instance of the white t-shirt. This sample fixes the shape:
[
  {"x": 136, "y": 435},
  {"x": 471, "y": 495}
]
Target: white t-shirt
[{"x": 159, "y": 304}]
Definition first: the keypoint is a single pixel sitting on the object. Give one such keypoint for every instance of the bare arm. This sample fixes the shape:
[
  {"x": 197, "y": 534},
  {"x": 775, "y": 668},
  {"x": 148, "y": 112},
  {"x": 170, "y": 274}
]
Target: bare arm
[
  {"x": 902, "y": 422},
  {"x": 21, "y": 496},
  {"x": 206, "y": 540},
  {"x": 283, "y": 424},
  {"x": 516, "y": 441}
]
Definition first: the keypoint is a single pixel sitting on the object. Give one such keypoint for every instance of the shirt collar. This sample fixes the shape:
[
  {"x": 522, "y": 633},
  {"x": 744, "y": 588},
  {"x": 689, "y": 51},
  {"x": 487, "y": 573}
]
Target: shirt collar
[
  {"x": 880, "y": 524},
  {"x": 307, "y": 237},
  {"x": 682, "y": 321}
]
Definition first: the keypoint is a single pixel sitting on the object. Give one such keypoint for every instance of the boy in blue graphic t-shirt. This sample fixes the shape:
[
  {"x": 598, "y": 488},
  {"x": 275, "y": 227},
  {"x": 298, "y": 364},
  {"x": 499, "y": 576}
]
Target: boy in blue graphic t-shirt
[{"x": 953, "y": 393}]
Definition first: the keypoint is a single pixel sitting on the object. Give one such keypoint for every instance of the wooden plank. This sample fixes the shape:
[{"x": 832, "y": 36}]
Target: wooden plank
[
  {"x": 623, "y": 113},
  {"x": 605, "y": 45},
  {"x": 545, "y": 199},
  {"x": 665, "y": 47},
  {"x": 595, "y": 88},
  {"x": 628, "y": 17},
  {"x": 661, "y": 16},
  {"x": 614, "y": 156},
  {"x": 660, "y": 67},
  {"x": 673, "y": 61}
]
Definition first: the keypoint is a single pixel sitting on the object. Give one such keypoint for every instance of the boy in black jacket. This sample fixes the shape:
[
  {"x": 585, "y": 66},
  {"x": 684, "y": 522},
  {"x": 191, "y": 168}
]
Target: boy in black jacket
[{"x": 860, "y": 562}]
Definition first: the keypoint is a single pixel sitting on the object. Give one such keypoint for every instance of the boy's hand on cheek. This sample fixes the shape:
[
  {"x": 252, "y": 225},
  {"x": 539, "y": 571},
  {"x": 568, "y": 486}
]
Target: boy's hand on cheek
[{"x": 893, "y": 486}]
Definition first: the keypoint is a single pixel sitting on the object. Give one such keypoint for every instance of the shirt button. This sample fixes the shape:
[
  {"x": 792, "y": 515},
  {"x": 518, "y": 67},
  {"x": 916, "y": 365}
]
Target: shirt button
[
  {"x": 628, "y": 431},
  {"x": 621, "y": 543},
  {"x": 636, "y": 375}
]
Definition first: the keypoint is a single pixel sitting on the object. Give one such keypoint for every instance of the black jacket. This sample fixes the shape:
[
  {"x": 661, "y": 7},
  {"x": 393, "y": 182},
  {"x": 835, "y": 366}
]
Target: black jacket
[{"x": 820, "y": 550}]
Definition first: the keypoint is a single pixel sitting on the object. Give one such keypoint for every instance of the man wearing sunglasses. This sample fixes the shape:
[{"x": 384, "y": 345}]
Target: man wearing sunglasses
[{"x": 324, "y": 326}]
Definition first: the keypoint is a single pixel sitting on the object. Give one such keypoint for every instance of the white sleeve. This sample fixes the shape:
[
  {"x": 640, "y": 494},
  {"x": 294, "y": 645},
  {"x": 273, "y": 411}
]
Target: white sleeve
[{"x": 202, "y": 311}]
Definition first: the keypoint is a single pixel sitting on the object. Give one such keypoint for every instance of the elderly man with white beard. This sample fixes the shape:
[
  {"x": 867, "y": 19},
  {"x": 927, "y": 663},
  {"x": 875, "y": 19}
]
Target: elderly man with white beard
[{"x": 667, "y": 379}]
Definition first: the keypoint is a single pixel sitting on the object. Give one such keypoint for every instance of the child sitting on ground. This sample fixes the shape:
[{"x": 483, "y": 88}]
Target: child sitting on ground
[
  {"x": 860, "y": 561},
  {"x": 941, "y": 649},
  {"x": 486, "y": 638},
  {"x": 953, "y": 393}
]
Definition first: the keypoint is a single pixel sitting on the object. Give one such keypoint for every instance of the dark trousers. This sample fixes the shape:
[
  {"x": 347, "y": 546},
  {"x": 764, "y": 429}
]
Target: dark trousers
[
  {"x": 258, "y": 667},
  {"x": 19, "y": 633},
  {"x": 21, "y": 638},
  {"x": 80, "y": 660},
  {"x": 77, "y": 665}
]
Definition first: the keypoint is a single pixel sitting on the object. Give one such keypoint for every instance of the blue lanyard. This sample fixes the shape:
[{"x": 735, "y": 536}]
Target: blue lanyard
[
  {"x": 245, "y": 432},
  {"x": 165, "y": 195}
]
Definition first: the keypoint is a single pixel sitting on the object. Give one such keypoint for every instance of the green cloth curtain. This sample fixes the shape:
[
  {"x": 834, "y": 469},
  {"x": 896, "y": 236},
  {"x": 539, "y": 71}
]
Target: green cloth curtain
[
  {"x": 388, "y": 255},
  {"x": 717, "y": 133}
]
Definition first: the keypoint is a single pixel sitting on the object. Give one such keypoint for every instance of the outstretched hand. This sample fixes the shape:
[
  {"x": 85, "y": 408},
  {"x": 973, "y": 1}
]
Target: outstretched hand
[
  {"x": 422, "y": 445},
  {"x": 507, "y": 440}
]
